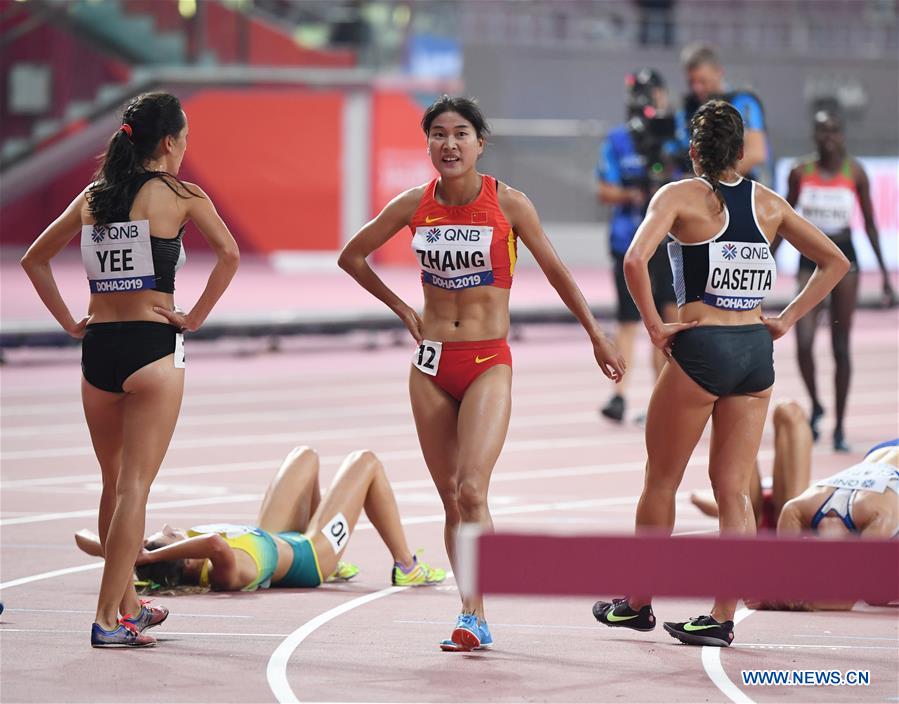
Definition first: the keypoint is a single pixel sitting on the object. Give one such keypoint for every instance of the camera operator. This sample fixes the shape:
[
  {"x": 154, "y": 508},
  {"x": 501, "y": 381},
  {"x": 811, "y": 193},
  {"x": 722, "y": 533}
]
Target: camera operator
[
  {"x": 705, "y": 78},
  {"x": 633, "y": 164}
]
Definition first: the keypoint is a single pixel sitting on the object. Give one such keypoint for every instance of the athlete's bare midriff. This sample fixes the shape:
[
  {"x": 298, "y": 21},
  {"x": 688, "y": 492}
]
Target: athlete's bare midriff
[{"x": 480, "y": 313}]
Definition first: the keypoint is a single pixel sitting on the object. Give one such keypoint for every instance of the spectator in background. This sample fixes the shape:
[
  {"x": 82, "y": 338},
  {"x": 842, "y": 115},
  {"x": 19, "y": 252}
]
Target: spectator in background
[
  {"x": 629, "y": 170},
  {"x": 705, "y": 78}
]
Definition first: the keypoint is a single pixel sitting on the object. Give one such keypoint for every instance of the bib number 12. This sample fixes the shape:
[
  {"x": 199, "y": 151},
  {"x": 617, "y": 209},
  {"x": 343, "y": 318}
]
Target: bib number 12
[{"x": 427, "y": 357}]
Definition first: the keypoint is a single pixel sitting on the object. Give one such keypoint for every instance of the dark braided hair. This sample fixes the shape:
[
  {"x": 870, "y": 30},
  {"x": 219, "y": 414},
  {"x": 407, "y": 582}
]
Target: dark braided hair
[
  {"x": 716, "y": 132},
  {"x": 147, "y": 119}
]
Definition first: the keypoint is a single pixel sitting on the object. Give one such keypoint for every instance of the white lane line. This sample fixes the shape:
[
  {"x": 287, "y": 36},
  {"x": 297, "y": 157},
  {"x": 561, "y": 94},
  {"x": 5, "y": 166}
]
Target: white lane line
[
  {"x": 550, "y": 473},
  {"x": 85, "y": 611},
  {"x": 403, "y": 409},
  {"x": 750, "y": 646},
  {"x": 542, "y": 626},
  {"x": 49, "y": 575},
  {"x": 276, "y": 670},
  {"x": 162, "y": 635},
  {"x": 802, "y": 646},
  {"x": 891, "y": 639},
  {"x": 576, "y": 441},
  {"x": 393, "y": 430},
  {"x": 88, "y": 512},
  {"x": 310, "y": 437},
  {"x": 414, "y": 520},
  {"x": 387, "y": 456},
  {"x": 711, "y": 662}
]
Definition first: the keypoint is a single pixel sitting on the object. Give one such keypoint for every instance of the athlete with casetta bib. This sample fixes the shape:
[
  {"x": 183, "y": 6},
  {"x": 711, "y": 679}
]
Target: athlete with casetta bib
[
  {"x": 721, "y": 349},
  {"x": 465, "y": 229}
]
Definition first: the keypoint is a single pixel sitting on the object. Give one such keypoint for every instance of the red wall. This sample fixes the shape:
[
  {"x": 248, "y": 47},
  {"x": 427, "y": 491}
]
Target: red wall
[{"x": 269, "y": 158}]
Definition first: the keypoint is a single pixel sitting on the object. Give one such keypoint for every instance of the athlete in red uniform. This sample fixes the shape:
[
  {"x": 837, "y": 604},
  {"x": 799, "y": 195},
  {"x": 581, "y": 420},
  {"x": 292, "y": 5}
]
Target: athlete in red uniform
[
  {"x": 825, "y": 189},
  {"x": 465, "y": 228}
]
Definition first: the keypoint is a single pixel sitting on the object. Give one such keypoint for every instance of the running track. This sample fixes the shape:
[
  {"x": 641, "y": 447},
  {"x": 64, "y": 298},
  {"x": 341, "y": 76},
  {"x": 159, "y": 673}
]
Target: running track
[{"x": 563, "y": 469}]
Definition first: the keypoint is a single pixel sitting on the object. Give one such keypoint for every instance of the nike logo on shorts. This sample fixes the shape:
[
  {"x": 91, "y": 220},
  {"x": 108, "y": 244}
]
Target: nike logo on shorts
[{"x": 481, "y": 360}]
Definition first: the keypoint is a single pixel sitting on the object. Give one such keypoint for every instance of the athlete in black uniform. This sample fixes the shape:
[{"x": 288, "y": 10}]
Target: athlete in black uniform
[
  {"x": 721, "y": 350},
  {"x": 132, "y": 351}
]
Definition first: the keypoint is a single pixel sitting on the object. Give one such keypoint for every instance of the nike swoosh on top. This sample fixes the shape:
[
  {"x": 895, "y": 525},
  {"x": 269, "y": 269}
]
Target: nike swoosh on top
[
  {"x": 481, "y": 360},
  {"x": 613, "y": 618},
  {"x": 429, "y": 219},
  {"x": 691, "y": 627}
]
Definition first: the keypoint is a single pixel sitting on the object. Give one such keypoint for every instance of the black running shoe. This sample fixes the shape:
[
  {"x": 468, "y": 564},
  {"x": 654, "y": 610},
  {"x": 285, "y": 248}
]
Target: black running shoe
[
  {"x": 815, "y": 418},
  {"x": 619, "y": 614},
  {"x": 702, "y": 630},
  {"x": 839, "y": 442},
  {"x": 614, "y": 409}
]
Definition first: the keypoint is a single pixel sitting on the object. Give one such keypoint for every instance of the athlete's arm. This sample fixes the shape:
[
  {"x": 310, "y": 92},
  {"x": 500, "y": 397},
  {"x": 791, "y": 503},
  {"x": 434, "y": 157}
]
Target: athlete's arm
[
  {"x": 832, "y": 265},
  {"x": 202, "y": 212},
  {"x": 754, "y": 151},
  {"x": 660, "y": 218},
  {"x": 863, "y": 188},
  {"x": 396, "y": 215},
  {"x": 790, "y": 522},
  {"x": 755, "y": 143},
  {"x": 36, "y": 264},
  {"x": 89, "y": 542},
  {"x": 212, "y": 547},
  {"x": 610, "y": 188},
  {"x": 793, "y": 182},
  {"x": 526, "y": 224}
]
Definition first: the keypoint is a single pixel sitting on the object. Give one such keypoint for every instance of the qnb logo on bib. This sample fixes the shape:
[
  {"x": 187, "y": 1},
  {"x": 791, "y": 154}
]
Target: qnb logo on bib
[
  {"x": 118, "y": 256},
  {"x": 741, "y": 274},
  {"x": 454, "y": 257}
]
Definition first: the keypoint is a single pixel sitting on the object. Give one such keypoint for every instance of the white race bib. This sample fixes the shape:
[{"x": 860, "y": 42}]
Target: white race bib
[
  {"x": 867, "y": 476},
  {"x": 180, "y": 360},
  {"x": 454, "y": 257},
  {"x": 118, "y": 256},
  {"x": 337, "y": 532},
  {"x": 828, "y": 208},
  {"x": 427, "y": 357},
  {"x": 741, "y": 274}
]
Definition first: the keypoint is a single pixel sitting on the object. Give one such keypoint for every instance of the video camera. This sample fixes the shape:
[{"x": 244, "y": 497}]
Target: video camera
[{"x": 649, "y": 131}]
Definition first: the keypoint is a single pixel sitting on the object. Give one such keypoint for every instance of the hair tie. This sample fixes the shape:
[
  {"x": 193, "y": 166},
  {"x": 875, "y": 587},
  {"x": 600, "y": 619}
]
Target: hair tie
[{"x": 126, "y": 128}]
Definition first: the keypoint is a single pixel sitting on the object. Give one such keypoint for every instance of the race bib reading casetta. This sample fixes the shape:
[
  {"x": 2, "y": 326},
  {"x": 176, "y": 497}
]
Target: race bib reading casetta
[
  {"x": 118, "y": 257},
  {"x": 741, "y": 274},
  {"x": 454, "y": 256}
]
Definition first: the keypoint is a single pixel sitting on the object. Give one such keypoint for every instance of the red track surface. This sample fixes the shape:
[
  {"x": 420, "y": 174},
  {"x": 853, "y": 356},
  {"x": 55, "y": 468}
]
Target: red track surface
[{"x": 563, "y": 469}]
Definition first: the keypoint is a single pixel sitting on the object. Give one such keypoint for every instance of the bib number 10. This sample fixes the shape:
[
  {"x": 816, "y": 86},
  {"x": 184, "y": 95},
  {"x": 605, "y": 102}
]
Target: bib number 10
[{"x": 427, "y": 357}]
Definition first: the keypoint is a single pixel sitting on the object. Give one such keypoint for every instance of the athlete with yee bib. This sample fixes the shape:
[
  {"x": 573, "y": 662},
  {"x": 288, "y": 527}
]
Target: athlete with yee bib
[
  {"x": 132, "y": 220},
  {"x": 721, "y": 352},
  {"x": 465, "y": 229}
]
